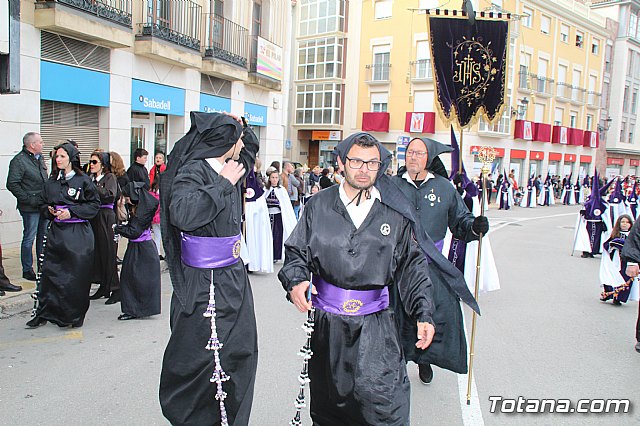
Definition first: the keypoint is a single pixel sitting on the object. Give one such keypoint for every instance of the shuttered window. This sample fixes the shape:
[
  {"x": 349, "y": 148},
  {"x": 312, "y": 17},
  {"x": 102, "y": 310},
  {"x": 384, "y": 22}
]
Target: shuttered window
[
  {"x": 65, "y": 50},
  {"x": 60, "y": 121}
]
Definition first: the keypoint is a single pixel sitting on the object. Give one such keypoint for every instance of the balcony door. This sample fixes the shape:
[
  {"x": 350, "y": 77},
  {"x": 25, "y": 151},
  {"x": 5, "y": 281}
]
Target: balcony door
[
  {"x": 159, "y": 13},
  {"x": 215, "y": 21},
  {"x": 256, "y": 29}
]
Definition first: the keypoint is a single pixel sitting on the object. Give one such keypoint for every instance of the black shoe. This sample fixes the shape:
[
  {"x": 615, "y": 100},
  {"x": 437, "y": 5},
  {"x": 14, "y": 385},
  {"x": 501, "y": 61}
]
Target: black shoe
[
  {"x": 78, "y": 324},
  {"x": 2, "y": 293},
  {"x": 99, "y": 294},
  {"x": 29, "y": 275},
  {"x": 617, "y": 302},
  {"x": 115, "y": 298},
  {"x": 425, "y": 372},
  {"x": 126, "y": 317},
  {"x": 638, "y": 347},
  {"x": 36, "y": 322},
  {"x": 11, "y": 287}
]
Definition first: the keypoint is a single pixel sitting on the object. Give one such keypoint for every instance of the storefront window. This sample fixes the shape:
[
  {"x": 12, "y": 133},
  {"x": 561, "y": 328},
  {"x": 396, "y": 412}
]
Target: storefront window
[{"x": 161, "y": 134}]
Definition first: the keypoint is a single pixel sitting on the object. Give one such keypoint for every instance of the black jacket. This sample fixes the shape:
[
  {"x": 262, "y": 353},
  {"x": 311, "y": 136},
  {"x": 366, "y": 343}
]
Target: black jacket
[
  {"x": 26, "y": 179},
  {"x": 138, "y": 173}
]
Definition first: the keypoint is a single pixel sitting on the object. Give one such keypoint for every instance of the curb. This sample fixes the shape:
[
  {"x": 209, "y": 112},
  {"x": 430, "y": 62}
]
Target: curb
[{"x": 15, "y": 304}]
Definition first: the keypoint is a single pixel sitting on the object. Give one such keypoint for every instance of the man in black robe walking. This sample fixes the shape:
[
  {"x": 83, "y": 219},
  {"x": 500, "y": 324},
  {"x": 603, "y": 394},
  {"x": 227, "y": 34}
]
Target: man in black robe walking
[
  {"x": 209, "y": 365},
  {"x": 438, "y": 207},
  {"x": 631, "y": 255},
  {"x": 357, "y": 371}
]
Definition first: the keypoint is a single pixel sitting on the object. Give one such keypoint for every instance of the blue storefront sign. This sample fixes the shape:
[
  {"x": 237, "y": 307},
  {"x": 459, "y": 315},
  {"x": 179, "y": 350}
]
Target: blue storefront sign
[
  {"x": 256, "y": 115},
  {"x": 63, "y": 83},
  {"x": 210, "y": 103},
  {"x": 152, "y": 97}
]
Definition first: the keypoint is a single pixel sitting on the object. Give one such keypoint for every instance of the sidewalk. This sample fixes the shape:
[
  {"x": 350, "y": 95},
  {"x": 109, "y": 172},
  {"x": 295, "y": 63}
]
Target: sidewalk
[{"x": 14, "y": 303}]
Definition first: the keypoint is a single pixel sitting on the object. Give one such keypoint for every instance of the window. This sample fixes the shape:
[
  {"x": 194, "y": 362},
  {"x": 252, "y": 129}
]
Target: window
[
  {"x": 383, "y": 9},
  {"x": 557, "y": 120},
  {"x": 321, "y": 16},
  {"x": 633, "y": 24},
  {"x": 573, "y": 119},
  {"x": 579, "y": 39},
  {"x": 592, "y": 90},
  {"x": 545, "y": 24},
  {"x": 562, "y": 80},
  {"x": 605, "y": 95},
  {"x": 625, "y": 99},
  {"x": 527, "y": 17},
  {"x": 379, "y": 102},
  {"x": 631, "y": 65},
  {"x": 423, "y": 100},
  {"x": 539, "y": 113},
  {"x": 608, "y": 50},
  {"x": 564, "y": 33},
  {"x": 623, "y": 131},
  {"x": 631, "y": 129},
  {"x": 318, "y": 103},
  {"x": 523, "y": 77},
  {"x": 595, "y": 46},
  {"x": 320, "y": 58},
  {"x": 501, "y": 125},
  {"x": 381, "y": 64},
  {"x": 543, "y": 66},
  {"x": 423, "y": 62},
  {"x": 589, "y": 121},
  {"x": 634, "y": 101}
]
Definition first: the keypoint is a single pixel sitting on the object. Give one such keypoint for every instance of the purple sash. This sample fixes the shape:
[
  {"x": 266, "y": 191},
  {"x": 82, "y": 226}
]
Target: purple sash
[
  {"x": 145, "y": 236},
  {"x": 339, "y": 301},
  {"x": 210, "y": 252},
  {"x": 106, "y": 206},
  {"x": 70, "y": 220}
]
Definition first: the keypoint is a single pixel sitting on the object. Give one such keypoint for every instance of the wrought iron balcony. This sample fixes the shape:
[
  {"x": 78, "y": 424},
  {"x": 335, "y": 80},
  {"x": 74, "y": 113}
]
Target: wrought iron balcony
[
  {"x": 225, "y": 40},
  {"x": 377, "y": 73},
  {"x": 541, "y": 84},
  {"x": 117, "y": 11},
  {"x": 421, "y": 69},
  {"x": 176, "y": 21},
  {"x": 563, "y": 90}
]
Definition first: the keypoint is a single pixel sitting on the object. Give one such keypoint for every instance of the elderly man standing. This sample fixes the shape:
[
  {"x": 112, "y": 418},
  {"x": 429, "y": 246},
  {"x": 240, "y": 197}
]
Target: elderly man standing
[{"x": 26, "y": 179}]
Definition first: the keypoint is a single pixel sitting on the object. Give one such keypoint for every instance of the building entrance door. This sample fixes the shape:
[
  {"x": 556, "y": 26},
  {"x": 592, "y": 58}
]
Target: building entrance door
[{"x": 142, "y": 136}]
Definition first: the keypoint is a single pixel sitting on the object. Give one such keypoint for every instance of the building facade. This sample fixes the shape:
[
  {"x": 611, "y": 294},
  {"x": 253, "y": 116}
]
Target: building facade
[
  {"x": 125, "y": 74},
  {"x": 620, "y": 118},
  {"x": 552, "y": 108}
]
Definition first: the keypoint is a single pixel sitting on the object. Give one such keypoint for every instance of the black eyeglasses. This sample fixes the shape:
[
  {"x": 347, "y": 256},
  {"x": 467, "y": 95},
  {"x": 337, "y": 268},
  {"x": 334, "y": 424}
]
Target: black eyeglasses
[
  {"x": 357, "y": 163},
  {"x": 94, "y": 162}
]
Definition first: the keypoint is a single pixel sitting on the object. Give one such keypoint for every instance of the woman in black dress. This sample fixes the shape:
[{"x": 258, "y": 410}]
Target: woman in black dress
[
  {"x": 105, "y": 270},
  {"x": 64, "y": 280}
]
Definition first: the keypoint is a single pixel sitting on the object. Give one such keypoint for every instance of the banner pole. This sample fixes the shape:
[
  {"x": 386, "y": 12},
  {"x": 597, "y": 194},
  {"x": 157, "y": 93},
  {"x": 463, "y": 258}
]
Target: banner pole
[{"x": 461, "y": 151}]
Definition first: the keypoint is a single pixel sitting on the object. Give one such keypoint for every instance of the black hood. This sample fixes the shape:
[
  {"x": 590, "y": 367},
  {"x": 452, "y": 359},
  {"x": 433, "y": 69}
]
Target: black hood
[
  {"x": 342, "y": 149},
  {"x": 434, "y": 148},
  {"x": 72, "y": 152}
]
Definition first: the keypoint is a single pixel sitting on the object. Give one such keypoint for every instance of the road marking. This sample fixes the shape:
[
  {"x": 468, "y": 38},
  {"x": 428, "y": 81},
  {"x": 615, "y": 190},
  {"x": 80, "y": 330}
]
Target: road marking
[
  {"x": 70, "y": 335},
  {"x": 471, "y": 414},
  {"x": 526, "y": 219}
]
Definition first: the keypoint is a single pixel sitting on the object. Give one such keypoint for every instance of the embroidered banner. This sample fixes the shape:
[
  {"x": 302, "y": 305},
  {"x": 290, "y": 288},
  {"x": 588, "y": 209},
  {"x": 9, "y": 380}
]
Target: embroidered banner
[{"x": 470, "y": 67}]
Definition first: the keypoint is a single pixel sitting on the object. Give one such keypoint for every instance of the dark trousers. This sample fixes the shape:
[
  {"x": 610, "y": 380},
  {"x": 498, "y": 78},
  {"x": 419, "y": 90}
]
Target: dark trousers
[
  {"x": 638, "y": 324},
  {"x": 34, "y": 226}
]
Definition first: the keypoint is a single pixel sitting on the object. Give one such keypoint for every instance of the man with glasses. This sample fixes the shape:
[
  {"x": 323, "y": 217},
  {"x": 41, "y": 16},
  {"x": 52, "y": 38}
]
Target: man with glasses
[
  {"x": 438, "y": 207},
  {"x": 357, "y": 371},
  {"x": 26, "y": 180}
]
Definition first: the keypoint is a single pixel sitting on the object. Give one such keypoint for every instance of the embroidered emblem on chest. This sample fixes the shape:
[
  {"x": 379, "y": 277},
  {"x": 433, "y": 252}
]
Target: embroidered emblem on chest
[
  {"x": 72, "y": 192},
  {"x": 432, "y": 198},
  {"x": 250, "y": 193},
  {"x": 385, "y": 229}
]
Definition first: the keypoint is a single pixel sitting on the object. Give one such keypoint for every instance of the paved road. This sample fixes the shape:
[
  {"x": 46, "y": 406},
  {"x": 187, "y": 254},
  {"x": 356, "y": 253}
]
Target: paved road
[{"x": 543, "y": 335}]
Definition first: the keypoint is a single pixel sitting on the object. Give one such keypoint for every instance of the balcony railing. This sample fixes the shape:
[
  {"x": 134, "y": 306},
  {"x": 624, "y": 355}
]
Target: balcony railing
[
  {"x": 523, "y": 80},
  {"x": 117, "y": 11},
  {"x": 422, "y": 69},
  {"x": 563, "y": 90},
  {"x": 541, "y": 84},
  {"x": 378, "y": 72},
  {"x": 226, "y": 40},
  {"x": 593, "y": 99},
  {"x": 577, "y": 94},
  {"x": 176, "y": 21}
]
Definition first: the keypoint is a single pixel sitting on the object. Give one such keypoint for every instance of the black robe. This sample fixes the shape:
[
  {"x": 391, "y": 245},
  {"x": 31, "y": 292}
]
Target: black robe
[
  {"x": 140, "y": 275},
  {"x": 357, "y": 371},
  {"x": 105, "y": 269},
  {"x": 68, "y": 255},
  {"x": 204, "y": 204}
]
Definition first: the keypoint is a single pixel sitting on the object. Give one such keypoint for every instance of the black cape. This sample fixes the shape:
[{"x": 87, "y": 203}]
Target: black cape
[
  {"x": 196, "y": 200},
  {"x": 140, "y": 275},
  {"x": 66, "y": 271}
]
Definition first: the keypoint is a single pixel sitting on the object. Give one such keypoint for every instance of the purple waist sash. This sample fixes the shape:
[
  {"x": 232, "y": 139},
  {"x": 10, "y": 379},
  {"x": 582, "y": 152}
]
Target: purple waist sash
[
  {"x": 439, "y": 245},
  {"x": 339, "y": 301},
  {"x": 71, "y": 219},
  {"x": 210, "y": 252},
  {"x": 106, "y": 206},
  {"x": 145, "y": 236}
]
